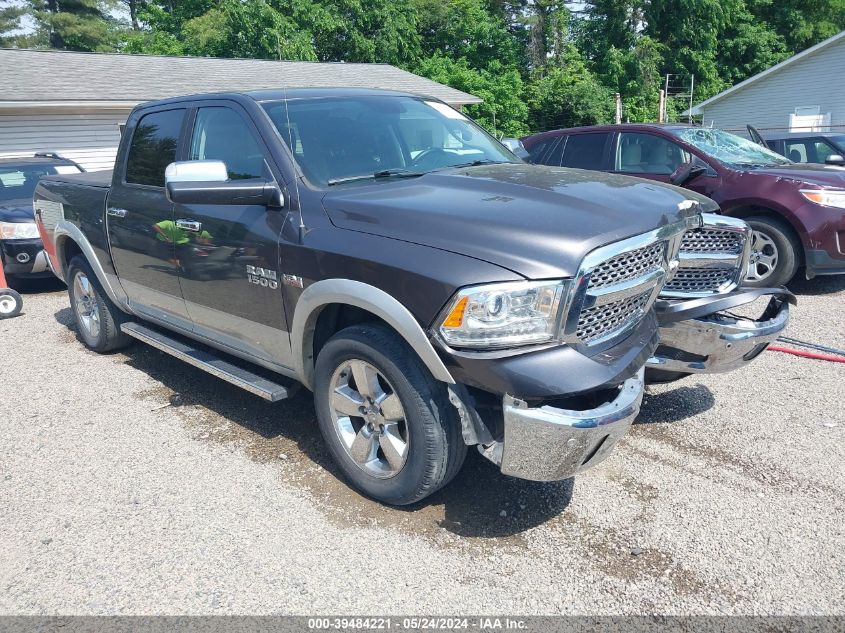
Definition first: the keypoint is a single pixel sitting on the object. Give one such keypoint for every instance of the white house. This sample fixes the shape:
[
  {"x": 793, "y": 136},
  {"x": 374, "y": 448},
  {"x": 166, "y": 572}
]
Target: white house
[
  {"x": 74, "y": 103},
  {"x": 803, "y": 93}
]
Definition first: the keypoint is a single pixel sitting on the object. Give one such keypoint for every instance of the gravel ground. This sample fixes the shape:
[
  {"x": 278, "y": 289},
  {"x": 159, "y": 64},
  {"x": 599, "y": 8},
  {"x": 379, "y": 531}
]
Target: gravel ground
[{"x": 118, "y": 497}]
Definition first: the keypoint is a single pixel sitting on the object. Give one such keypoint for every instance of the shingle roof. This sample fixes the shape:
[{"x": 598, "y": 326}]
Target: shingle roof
[{"x": 56, "y": 76}]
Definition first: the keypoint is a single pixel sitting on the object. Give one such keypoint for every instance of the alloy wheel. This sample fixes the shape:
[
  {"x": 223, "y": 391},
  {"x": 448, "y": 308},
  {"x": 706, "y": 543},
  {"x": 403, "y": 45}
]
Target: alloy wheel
[
  {"x": 369, "y": 418},
  {"x": 764, "y": 257},
  {"x": 86, "y": 304}
]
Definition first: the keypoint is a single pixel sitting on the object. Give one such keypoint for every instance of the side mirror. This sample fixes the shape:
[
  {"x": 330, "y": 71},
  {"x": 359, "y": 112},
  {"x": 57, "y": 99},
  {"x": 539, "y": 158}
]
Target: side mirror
[
  {"x": 196, "y": 171},
  {"x": 516, "y": 146},
  {"x": 835, "y": 159},
  {"x": 207, "y": 182},
  {"x": 685, "y": 173}
]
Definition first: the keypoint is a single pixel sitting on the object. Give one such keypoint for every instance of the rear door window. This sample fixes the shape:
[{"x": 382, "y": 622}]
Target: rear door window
[
  {"x": 153, "y": 147},
  {"x": 585, "y": 151},
  {"x": 809, "y": 150},
  {"x": 797, "y": 151}
]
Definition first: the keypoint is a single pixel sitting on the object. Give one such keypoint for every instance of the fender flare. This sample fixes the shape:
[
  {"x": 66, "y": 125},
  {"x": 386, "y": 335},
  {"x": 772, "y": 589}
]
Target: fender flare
[
  {"x": 65, "y": 231},
  {"x": 355, "y": 293}
]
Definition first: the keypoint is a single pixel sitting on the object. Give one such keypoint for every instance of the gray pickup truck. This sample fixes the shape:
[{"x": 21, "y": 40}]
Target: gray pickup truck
[{"x": 431, "y": 289}]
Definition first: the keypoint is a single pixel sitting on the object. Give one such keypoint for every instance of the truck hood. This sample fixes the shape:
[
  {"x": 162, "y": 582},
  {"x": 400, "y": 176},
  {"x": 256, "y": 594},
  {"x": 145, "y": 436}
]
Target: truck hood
[
  {"x": 827, "y": 176},
  {"x": 16, "y": 210},
  {"x": 536, "y": 221}
]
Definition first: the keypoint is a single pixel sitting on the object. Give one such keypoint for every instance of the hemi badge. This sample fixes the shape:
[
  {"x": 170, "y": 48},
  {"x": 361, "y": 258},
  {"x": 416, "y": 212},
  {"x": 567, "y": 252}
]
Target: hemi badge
[{"x": 292, "y": 280}]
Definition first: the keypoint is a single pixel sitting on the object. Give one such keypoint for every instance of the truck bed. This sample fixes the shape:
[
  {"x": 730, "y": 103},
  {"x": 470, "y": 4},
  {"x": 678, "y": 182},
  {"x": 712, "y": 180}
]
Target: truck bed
[
  {"x": 100, "y": 179},
  {"x": 80, "y": 200}
]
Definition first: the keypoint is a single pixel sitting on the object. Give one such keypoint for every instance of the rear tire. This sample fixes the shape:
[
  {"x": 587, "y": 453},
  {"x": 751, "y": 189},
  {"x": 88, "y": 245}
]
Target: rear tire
[
  {"x": 11, "y": 303},
  {"x": 387, "y": 422},
  {"x": 98, "y": 319},
  {"x": 774, "y": 256}
]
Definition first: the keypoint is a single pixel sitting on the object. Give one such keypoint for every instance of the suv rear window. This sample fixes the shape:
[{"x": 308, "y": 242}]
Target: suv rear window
[
  {"x": 585, "y": 151},
  {"x": 153, "y": 147},
  {"x": 18, "y": 183}
]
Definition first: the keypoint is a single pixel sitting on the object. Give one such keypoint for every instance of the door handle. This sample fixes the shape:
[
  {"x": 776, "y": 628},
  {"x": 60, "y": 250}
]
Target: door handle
[
  {"x": 118, "y": 213},
  {"x": 189, "y": 225}
]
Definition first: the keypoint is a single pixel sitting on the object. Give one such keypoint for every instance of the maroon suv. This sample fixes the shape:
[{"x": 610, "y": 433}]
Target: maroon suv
[{"x": 797, "y": 211}]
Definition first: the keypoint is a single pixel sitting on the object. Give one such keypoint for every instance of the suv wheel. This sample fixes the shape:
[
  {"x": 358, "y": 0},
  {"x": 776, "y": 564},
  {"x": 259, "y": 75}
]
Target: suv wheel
[
  {"x": 387, "y": 422},
  {"x": 774, "y": 253},
  {"x": 97, "y": 318}
]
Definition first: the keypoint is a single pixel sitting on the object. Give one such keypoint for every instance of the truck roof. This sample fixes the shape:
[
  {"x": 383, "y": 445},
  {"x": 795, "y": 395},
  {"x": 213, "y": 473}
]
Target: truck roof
[
  {"x": 279, "y": 94},
  {"x": 610, "y": 127}
]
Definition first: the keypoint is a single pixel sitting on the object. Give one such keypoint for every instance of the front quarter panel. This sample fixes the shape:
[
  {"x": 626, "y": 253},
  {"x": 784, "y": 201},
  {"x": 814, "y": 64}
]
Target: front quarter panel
[{"x": 404, "y": 284}]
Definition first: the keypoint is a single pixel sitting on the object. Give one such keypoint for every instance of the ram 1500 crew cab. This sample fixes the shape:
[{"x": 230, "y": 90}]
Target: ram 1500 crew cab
[{"x": 431, "y": 289}]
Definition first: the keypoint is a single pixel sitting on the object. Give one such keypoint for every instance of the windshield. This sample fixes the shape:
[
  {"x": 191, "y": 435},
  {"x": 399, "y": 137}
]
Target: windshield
[
  {"x": 730, "y": 149},
  {"x": 839, "y": 141},
  {"x": 365, "y": 137},
  {"x": 18, "y": 182}
]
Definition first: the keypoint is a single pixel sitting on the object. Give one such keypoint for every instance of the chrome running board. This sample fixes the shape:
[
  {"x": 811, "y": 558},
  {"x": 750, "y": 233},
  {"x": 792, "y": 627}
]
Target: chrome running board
[{"x": 206, "y": 360}]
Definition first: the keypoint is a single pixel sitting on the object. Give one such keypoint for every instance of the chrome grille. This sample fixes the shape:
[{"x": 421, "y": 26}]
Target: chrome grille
[
  {"x": 629, "y": 265},
  {"x": 616, "y": 285},
  {"x": 711, "y": 258},
  {"x": 705, "y": 240},
  {"x": 601, "y": 321},
  {"x": 700, "y": 279}
]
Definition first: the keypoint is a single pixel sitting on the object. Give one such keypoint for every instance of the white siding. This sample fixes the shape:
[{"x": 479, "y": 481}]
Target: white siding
[
  {"x": 815, "y": 80},
  {"x": 89, "y": 138}
]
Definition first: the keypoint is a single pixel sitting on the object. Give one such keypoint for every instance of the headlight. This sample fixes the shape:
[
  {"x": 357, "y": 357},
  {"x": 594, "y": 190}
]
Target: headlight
[
  {"x": 18, "y": 231},
  {"x": 825, "y": 197},
  {"x": 503, "y": 315}
]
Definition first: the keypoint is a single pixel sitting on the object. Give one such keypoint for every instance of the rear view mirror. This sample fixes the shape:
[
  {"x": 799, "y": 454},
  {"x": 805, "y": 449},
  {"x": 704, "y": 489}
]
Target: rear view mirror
[
  {"x": 685, "y": 173},
  {"x": 207, "y": 182},
  {"x": 835, "y": 159}
]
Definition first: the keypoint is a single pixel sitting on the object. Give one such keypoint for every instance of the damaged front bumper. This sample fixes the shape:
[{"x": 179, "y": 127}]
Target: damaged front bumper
[
  {"x": 549, "y": 444},
  {"x": 701, "y": 336}
]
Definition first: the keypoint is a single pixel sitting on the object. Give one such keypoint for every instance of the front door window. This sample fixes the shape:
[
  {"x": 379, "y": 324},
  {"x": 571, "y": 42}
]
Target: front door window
[{"x": 639, "y": 153}]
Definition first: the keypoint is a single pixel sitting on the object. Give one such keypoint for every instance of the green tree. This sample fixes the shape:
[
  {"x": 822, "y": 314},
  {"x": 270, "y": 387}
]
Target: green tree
[
  {"x": 689, "y": 31},
  {"x": 466, "y": 29},
  {"x": 10, "y": 25},
  {"x": 252, "y": 30},
  {"x": 567, "y": 94},
  {"x": 504, "y": 110},
  {"x": 801, "y": 23},
  {"x": 341, "y": 30},
  {"x": 75, "y": 25},
  {"x": 748, "y": 47},
  {"x": 361, "y": 30}
]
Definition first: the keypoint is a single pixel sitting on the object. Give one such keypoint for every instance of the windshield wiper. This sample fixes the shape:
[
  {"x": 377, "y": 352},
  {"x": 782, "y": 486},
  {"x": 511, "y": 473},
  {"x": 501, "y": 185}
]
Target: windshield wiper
[
  {"x": 478, "y": 162},
  {"x": 397, "y": 173},
  {"x": 384, "y": 173}
]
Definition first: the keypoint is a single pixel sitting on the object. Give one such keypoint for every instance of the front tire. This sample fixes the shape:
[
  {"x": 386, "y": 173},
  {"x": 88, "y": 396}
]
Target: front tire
[
  {"x": 98, "y": 319},
  {"x": 774, "y": 253},
  {"x": 387, "y": 422}
]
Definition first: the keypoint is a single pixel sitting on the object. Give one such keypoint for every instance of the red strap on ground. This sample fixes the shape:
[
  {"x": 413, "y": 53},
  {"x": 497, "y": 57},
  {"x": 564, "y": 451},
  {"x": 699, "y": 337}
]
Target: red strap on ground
[{"x": 833, "y": 358}]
